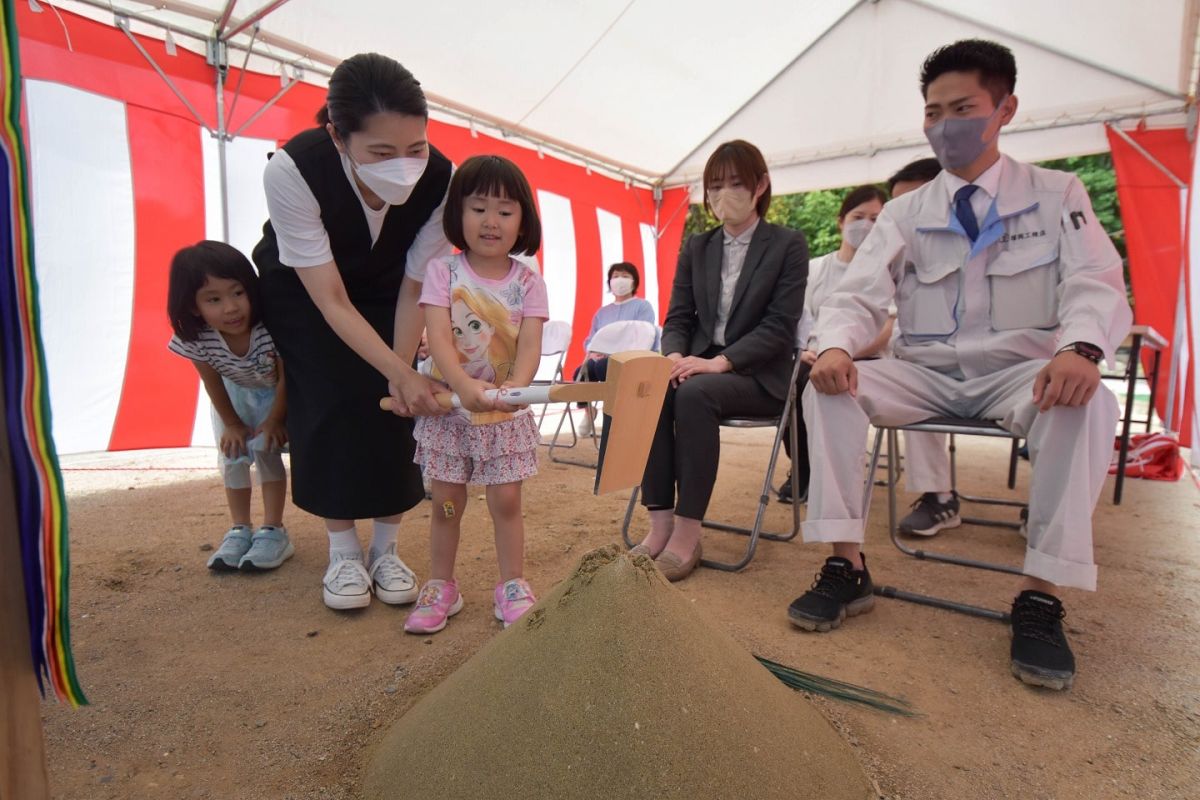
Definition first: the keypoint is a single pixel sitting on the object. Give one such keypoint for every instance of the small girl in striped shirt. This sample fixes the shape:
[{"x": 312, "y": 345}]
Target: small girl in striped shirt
[{"x": 213, "y": 302}]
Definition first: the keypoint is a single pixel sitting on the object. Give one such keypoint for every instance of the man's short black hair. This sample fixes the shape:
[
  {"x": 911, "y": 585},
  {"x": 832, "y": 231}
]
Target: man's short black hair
[
  {"x": 923, "y": 170},
  {"x": 994, "y": 63}
]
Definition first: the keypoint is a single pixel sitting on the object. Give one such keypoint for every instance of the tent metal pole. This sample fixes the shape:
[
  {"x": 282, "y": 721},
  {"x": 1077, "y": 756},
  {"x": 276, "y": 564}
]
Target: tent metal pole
[
  {"x": 658, "y": 200},
  {"x": 264, "y": 108},
  {"x": 252, "y": 19},
  {"x": 1145, "y": 84},
  {"x": 218, "y": 56},
  {"x": 188, "y": 10},
  {"x": 237, "y": 91},
  {"x": 219, "y": 28},
  {"x": 123, "y": 24},
  {"x": 643, "y": 177}
]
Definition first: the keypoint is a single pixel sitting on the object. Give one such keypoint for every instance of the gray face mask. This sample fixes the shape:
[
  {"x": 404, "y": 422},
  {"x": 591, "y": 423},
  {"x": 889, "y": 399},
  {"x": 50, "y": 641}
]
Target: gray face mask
[{"x": 958, "y": 142}]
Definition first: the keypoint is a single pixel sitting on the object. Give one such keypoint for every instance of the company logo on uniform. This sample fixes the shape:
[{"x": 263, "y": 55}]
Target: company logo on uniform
[{"x": 1016, "y": 237}]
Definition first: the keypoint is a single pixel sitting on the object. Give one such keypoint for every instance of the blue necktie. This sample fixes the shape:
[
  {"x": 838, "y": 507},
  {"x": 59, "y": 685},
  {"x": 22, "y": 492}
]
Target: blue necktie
[{"x": 964, "y": 212}]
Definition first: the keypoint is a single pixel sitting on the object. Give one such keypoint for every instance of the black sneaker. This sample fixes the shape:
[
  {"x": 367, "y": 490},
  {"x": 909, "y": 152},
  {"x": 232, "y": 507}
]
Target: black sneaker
[
  {"x": 1040, "y": 653},
  {"x": 838, "y": 592},
  {"x": 930, "y": 516},
  {"x": 784, "y": 492}
]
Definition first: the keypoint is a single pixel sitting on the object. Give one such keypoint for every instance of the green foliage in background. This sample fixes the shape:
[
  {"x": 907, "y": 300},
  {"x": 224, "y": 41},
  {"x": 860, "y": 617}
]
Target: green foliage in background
[{"x": 815, "y": 213}]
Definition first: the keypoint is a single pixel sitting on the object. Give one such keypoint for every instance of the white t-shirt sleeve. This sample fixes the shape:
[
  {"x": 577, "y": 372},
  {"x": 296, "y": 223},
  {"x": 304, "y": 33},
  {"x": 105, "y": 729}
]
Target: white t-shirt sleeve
[
  {"x": 295, "y": 215},
  {"x": 430, "y": 243}
]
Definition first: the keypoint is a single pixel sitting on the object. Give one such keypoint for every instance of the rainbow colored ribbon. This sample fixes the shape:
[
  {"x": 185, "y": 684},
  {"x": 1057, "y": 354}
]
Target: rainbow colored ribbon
[{"x": 41, "y": 505}]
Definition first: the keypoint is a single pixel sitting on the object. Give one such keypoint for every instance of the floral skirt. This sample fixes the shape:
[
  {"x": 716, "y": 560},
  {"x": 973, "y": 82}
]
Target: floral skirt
[{"x": 452, "y": 450}]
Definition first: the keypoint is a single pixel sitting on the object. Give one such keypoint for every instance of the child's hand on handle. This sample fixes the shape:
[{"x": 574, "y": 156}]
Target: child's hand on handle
[
  {"x": 233, "y": 440},
  {"x": 413, "y": 395},
  {"x": 274, "y": 433},
  {"x": 500, "y": 405},
  {"x": 473, "y": 397}
]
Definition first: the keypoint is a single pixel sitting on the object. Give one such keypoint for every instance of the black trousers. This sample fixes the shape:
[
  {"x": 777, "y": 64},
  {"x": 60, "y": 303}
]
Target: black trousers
[
  {"x": 687, "y": 442},
  {"x": 800, "y": 461}
]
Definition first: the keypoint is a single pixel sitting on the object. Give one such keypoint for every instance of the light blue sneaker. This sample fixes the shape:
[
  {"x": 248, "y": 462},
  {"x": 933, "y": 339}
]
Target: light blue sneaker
[
  {"x": 233, "y": 547},
  {"x": 269, "y": 547}
]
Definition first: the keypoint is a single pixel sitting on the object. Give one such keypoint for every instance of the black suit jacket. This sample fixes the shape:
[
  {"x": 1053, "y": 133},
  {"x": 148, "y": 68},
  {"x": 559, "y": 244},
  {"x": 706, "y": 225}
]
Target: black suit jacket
[{"x": 760, "y": 337}]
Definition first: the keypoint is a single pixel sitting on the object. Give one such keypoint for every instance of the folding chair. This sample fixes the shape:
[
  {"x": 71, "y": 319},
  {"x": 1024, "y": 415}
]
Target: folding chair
[
  {"x": 616, "y": 337},
  {"x": 556, "y": 338},
  {"x": 787, "y": 421},
  {"x": 955, "y": 427}
]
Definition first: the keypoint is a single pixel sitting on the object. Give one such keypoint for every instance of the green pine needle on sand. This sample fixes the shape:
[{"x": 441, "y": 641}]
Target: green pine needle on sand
[{"x": 837, "y": 690}]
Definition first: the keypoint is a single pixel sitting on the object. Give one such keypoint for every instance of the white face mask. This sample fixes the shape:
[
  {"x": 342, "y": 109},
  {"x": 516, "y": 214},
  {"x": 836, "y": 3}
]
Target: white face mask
[
  {"x": 732, "y": 206},
  {"x": 392, "y": 180},
  {"x": 621, "y": 286},
  {"x": 855, "y": 231}
]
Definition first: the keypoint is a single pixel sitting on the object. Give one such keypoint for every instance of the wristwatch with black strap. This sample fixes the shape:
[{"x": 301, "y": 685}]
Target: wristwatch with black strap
[{"x": 1086, "y": 349}]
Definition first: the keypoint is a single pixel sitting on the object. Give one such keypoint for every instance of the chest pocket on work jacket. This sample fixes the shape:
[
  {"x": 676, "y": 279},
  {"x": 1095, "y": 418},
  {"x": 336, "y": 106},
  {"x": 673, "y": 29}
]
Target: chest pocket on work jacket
[
  {"x": 1024, "y": 288},
  {"x": 926, "y": 300}
]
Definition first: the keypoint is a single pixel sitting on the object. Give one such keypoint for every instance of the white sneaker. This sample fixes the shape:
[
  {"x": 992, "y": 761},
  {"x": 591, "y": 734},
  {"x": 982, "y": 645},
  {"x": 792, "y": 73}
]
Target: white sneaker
[
  {"x": 391, "y": 579},
  {"x": 347, "y": 584},
  {"x": 586, "y": 427}
]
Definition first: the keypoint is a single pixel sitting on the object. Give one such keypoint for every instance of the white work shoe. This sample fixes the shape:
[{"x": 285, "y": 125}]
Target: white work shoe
[
  {"x": 391, "y": 579},
  {"x": 586, "y": 427},
  {"x": 346, "y": 583}
]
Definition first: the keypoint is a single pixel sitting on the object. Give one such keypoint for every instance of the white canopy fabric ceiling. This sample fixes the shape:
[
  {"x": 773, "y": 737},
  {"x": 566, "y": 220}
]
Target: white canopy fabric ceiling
[{"x": 828, "y": 89}]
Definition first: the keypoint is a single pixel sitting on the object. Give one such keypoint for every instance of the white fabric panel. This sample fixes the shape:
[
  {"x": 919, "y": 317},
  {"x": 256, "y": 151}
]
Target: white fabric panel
[
  {"x": 650, "y": 266},
  {"x": 872, "y": 102},
  {"x": 612, "y": 247},
  {"x": 83, "y": 232},
  {"x": 648, "y": 83},
  {"x": 558, "y": 254},
  {"x": 245, "y": 159}
]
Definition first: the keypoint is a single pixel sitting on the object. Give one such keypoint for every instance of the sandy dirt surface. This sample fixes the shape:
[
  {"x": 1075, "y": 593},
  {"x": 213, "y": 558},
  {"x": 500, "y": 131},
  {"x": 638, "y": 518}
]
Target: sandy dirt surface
[{"x": 245, "y": 686}]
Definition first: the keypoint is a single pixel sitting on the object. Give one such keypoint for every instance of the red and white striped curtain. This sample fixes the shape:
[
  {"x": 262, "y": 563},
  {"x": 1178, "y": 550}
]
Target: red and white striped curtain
[{"x": 123, "y": 175}]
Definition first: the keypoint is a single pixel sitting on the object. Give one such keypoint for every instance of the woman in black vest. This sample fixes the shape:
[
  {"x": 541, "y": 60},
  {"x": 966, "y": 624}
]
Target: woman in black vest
[{"x": 356, "y": 214}]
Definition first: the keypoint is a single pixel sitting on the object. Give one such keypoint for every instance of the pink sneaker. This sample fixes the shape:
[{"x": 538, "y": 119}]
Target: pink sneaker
[
  {"x": 438, "y": 601},
  {"x": 512, "y": 599}
]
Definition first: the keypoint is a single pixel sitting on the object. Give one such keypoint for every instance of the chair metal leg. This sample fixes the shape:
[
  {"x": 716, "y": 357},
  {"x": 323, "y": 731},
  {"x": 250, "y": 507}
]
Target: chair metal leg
[
  {"x": 756, "y": 532},
  {"x": 575, "y": 436},
  {"x": 764, "y": 499},
  {"x": 925, "y": 555}
]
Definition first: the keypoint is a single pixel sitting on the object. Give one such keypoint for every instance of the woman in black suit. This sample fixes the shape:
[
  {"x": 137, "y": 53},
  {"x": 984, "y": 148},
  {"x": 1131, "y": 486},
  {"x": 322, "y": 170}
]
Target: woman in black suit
[{"x": 731, "y": 331}]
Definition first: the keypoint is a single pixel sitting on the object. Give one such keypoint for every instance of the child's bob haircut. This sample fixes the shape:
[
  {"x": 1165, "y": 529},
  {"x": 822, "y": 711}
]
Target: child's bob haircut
[
  {"x": 190, "y": 269},
  {"x": 492, "y": 176}
]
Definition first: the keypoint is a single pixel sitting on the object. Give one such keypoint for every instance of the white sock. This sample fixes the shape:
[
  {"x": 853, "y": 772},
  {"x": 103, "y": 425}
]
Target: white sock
[
  {"x": 344, "y": 544},
  {"x": 945, "y": 497},
  {"x": 384, "y": 537}
]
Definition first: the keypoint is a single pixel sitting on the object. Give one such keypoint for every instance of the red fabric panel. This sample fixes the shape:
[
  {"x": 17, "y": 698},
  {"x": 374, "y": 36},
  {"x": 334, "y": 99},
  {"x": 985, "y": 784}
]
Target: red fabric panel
[
  {"x": 587, "y": 291},
  {"x": 1150, "y": 211},
  {"x": 158, "y": 398},
  {"x": 673, "y": 216}
]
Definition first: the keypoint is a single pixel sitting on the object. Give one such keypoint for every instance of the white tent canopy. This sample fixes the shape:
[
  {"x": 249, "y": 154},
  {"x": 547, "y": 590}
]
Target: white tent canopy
[{"x": 828, "y": 88}]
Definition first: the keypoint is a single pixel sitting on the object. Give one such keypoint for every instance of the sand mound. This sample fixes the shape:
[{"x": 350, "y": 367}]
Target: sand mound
[{"x": 613, "y": 686}]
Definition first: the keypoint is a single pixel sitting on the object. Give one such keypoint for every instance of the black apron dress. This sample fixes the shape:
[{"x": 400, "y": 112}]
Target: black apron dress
[{"x": 350, "y": 460}]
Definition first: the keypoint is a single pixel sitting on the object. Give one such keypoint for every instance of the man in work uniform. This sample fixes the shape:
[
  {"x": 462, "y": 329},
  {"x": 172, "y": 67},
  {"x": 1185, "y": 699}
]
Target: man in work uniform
[{"x": 1008, "y": 294}]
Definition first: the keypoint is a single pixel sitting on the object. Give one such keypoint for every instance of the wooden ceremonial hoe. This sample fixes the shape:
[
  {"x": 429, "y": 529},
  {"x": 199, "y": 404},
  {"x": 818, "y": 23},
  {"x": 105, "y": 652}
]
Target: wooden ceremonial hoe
[{"x": 632, "y": 394}]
